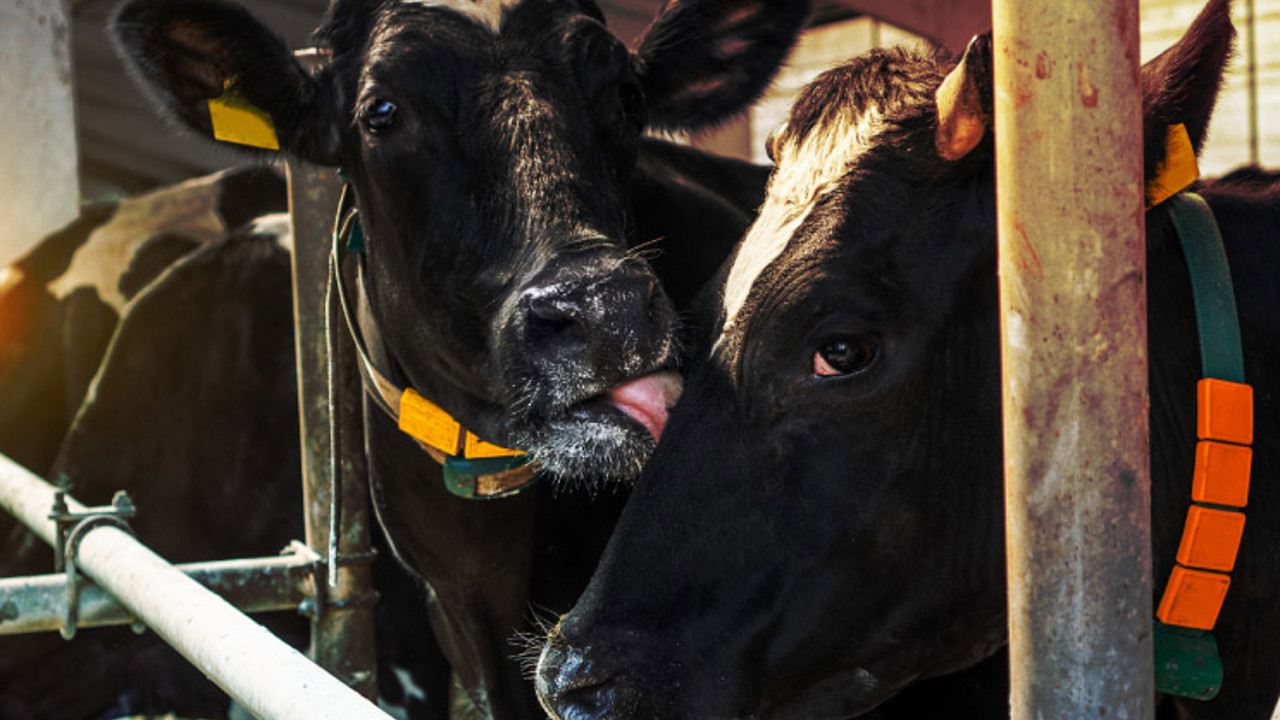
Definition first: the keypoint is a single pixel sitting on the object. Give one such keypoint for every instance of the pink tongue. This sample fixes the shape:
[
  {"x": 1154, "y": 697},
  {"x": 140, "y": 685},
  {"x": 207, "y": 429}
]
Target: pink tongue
[{"x": 647, "y": 398}]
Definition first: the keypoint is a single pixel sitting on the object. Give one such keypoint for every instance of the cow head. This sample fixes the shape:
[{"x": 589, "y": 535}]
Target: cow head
[
  {"x": 490, "y": 145},
  {"x": 822, "y": 523}
]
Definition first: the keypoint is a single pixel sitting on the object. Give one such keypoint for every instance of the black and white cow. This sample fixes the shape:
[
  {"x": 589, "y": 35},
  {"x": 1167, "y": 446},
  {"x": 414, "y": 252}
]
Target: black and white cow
[
  {"x": 822, "y": 523},
  {"x": 190, "y": 408},
  {"x": 59, "y": 303},
  {"x": 504, "y": 190}
]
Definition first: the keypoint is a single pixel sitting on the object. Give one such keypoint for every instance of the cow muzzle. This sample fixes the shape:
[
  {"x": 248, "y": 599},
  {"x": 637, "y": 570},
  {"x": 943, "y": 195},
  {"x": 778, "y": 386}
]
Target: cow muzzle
[
  {"x": 571, "y": 687},
  {"x": 589, "y": 343}
]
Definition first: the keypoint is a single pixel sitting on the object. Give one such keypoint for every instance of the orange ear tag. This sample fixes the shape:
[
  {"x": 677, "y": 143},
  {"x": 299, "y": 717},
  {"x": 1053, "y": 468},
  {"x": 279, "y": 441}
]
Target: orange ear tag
[{"x": 236, "y": 120}]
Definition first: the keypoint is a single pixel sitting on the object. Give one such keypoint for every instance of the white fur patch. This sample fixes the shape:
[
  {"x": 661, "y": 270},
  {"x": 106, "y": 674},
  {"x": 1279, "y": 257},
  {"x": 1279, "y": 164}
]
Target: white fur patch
[
  {"x": 807, "y": 170},
  {"x": 486, "y": 12},
  {"x": 277, "y": 225},
  {"x": 189, "y": 209}
]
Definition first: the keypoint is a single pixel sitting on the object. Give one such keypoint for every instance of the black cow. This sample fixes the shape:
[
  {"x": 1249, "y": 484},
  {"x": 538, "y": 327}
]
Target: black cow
[
  {"x": 495, "y": 155},
  {"x": 822, "y": 523}
]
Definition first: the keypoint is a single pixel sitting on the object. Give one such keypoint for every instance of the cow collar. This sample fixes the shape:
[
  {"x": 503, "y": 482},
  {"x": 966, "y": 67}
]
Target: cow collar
[
  {"x": 1186, "y": 654},
  {"x": 473, "y": 468}
]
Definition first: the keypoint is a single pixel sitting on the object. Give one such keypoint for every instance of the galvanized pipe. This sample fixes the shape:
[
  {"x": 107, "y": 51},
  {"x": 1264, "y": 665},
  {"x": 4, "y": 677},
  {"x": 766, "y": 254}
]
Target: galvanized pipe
[
  {"x": 1073, "y": 325},
  {"x": 264, "y": 675},
  {"x": 342, "y": 632},
  {"x": 38, "y": 603}
]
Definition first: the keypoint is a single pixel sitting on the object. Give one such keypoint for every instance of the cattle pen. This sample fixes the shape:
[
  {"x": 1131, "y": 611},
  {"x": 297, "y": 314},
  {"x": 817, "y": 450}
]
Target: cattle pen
[
  {"x": 326, "y": 578},
  {"x": 1079, "y": 609}
]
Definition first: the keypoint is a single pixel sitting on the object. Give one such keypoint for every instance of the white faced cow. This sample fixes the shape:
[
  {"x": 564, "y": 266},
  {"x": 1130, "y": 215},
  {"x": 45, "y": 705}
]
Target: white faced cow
[{"x": 822, "y": 523}]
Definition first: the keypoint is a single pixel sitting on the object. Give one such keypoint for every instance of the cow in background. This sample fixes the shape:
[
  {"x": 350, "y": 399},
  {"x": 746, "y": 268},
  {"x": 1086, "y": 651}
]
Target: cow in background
[
  {"x": 59, "y": 303},
  {"x": 174, "y": 305},
  {"x": 822, "y": 523}
]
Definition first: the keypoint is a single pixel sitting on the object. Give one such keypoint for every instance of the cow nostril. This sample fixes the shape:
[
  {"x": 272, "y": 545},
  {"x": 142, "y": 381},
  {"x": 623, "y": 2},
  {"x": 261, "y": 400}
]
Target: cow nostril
[
  {"x": 589, "y": 702},
  {"x": 547, "y": 318}
]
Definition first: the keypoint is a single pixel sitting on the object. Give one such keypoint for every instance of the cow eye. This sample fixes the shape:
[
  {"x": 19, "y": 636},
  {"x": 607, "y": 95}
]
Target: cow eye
[
  {"x": 845, "y": 355},
  {"x": 378, "y": 115}
]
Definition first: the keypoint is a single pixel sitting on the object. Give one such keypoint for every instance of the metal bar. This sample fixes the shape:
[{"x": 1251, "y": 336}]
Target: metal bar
[
  {"x": 342, "y": 636},
  {"x": 267, "y": 677},
  {"x": 1073, "y": 325},
  {"x": 38, "y": 604},
  {"x": 1251, "y": 80}
]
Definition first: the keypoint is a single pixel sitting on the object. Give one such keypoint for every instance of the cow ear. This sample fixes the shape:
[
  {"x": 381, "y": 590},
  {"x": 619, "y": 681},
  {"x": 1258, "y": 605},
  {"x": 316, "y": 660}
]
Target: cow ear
[
  {"x": 964, "y": 101},
  {"x": 1180, "y": 85},
  {"x": 185, "y": 54},
  {"x": 702, "y": 61}
]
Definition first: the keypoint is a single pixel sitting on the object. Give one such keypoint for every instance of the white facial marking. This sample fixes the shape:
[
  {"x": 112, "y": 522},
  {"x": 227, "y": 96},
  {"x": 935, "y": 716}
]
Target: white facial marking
[
  {"x": 189, "y": 209},
  {"x": 806, "y": 171},
  {"x": 486, "y": 12}
]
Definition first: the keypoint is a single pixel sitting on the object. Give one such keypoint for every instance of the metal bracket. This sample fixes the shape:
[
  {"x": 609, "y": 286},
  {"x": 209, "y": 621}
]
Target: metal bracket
[
  {"x": 315, "y": 606},
  {"x": 71, "y": 529}
]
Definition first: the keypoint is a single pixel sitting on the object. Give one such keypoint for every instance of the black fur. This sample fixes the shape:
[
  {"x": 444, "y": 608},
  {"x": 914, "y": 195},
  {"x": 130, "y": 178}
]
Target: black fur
[
  {"x": 807, "y": 545},
  {"x": 493, "y": 167}
]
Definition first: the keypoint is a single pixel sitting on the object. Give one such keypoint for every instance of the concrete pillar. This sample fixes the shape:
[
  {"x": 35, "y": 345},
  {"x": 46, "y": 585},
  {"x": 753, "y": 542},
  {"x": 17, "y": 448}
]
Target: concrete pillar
[{"x": 39, "y": 190}]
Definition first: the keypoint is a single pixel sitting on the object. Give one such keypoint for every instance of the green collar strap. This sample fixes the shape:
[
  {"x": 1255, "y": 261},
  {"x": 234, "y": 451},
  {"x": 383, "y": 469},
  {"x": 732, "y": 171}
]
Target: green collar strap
[{"x": 1186, "y": 655}]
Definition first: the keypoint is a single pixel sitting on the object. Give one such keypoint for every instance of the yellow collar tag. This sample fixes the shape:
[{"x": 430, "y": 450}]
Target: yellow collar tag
[
  {"x": 1178, "y": 170},
  {"x": 429, "y": 424},
  {"x": 236, "y": 120}
]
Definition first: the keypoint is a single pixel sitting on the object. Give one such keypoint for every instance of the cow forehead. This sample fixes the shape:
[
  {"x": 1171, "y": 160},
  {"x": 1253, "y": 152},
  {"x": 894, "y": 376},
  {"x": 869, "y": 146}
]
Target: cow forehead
[
  {"x": 808, "y": 169},
  {"x": 488, "y": 13},
  {"x": 836, "y": 121}
]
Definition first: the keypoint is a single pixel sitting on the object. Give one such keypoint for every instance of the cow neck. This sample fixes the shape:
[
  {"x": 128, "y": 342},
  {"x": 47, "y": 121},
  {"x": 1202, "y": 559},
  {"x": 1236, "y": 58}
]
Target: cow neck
[
  {"x": 1186, "y": 654},
  {"x": 473, "y": 468}
]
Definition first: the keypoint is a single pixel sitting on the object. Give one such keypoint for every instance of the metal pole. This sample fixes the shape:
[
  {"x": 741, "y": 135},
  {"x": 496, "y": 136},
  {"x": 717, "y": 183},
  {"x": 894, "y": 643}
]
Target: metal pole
[
  {"x": 267, "y": 677},
  {"x": 342, "y": 629},
  {"x": 1073, "y": 325},
  {"x": 38, "y": 603}
]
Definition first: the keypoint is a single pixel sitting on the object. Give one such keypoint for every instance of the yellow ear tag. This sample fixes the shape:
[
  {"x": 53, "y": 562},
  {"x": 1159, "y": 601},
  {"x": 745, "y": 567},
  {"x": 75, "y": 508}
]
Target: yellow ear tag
[
  {"x": 428, "y": 423},
  {"x": 1178, "y": 170},
  {"x": 237, "y": 120}
]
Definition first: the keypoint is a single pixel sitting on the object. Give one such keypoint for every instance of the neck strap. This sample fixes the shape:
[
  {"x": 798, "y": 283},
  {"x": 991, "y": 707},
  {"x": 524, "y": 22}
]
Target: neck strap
[
  {"x": 473, "y": 468},
  {"x": 1186, "y": 654}
]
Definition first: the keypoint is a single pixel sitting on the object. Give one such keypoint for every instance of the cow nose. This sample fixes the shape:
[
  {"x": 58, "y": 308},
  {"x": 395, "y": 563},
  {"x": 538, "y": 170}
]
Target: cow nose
[
  {"x": 570, "y": 312},
  {"x": 570, "y": 687}
]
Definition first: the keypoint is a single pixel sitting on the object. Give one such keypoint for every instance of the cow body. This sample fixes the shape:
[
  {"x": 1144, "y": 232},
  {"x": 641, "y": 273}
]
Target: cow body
[
  {"x": 845, "y": 538},
  {"x": 60, "y": 303}
]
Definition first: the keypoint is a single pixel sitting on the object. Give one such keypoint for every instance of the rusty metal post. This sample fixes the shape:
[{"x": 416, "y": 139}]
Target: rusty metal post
[
  {"x": 342, "y": 631},
  {"x": 1074, "y": 339}
]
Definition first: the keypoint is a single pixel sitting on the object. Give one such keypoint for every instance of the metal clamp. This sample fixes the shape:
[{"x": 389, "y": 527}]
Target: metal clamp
[
  {"x": 71, "y": 529},
  {"x": 320, "y": 602}
]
